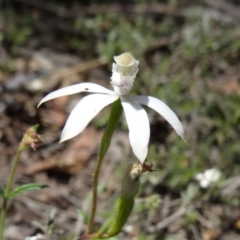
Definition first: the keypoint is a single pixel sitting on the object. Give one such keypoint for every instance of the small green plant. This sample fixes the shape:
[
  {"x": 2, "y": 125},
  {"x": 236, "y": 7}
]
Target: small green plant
[{"x": 32, "y": 139}]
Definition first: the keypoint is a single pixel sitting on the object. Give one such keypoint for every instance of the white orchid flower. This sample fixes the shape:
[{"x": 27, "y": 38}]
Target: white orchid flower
[{"x": 123, "y": 74}]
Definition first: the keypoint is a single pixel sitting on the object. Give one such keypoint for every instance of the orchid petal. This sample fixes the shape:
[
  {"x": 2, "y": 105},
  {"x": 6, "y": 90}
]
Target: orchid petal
[
  {"x": 138, "y": 125},
  {"x": 163, "y": 110},
  {"x": 76, "y": 88},
  {"x": 84, "y": 112}
]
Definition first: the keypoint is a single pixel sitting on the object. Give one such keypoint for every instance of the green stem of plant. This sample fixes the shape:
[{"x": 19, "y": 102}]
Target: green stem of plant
[
  {"x": 7, "y": 192},
  {"x": 115, "y": 114}
]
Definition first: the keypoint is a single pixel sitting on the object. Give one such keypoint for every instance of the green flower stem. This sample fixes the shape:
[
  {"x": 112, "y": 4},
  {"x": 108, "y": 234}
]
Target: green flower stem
[
  {"x": 115, "y": 114},
  {"x": 7, "y": 192}
]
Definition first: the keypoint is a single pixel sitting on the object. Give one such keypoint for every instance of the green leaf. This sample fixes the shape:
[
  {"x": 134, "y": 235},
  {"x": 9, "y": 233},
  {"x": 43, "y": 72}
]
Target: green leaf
[
  {"x": 26, "y": 187},
  {"x": 122, "y": 210},
  {"x": 1, "y": 190},
  {"x": 115, "y": 223}
]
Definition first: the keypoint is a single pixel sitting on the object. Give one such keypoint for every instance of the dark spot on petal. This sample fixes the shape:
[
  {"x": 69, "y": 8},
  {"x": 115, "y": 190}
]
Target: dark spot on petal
[{"x": 86, "y": 89}]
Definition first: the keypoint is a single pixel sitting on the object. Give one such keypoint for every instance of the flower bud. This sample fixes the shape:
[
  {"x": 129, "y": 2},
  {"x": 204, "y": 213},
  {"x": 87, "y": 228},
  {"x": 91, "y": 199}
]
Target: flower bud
[
  {"x": 31, "y": 138},
  {"x": 125, "y": 202},
  {"x": 130, "y": 184}
]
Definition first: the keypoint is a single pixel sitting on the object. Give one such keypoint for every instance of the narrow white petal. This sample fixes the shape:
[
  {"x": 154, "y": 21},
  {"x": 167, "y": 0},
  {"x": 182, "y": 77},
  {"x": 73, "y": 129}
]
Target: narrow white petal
[
  {"x": 163, "y": 110},
  {"x": 138, "y": 125},
  {"x": 80, "y": 87},
  {"x": 84, "y": 112}
]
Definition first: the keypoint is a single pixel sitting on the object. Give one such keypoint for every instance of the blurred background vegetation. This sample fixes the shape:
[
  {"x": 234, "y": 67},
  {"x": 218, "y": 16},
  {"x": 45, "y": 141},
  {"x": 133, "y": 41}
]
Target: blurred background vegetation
[{"x": 189, "y": 54}]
